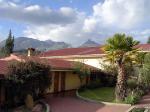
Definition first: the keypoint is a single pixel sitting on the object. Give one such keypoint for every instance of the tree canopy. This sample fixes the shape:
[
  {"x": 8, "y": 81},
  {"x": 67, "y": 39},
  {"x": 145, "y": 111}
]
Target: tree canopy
[{"x": 120, "y": 50}]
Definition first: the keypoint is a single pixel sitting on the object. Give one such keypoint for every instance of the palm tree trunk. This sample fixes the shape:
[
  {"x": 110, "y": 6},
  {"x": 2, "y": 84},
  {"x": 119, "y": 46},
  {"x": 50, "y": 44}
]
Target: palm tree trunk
[{"x": 121, "y": 83}]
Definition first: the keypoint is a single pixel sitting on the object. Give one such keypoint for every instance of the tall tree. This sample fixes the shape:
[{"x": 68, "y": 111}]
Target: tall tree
[
  {"x": 148, "y": 41},
  {"x": 9, "y": 45},
  {"x": 119, "y": 50},
  {"x": 2, "y": 52}
]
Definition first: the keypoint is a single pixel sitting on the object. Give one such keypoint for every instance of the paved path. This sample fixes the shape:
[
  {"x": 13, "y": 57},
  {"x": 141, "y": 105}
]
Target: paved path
[{"x": 73, "y": 104}]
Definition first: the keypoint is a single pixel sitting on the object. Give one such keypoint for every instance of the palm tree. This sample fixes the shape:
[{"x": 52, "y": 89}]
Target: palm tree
[{"x": 119, "y": 50}]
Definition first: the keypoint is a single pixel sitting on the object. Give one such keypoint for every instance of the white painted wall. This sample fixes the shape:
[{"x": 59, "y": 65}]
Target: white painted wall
[{"x": 92, "y": 62}]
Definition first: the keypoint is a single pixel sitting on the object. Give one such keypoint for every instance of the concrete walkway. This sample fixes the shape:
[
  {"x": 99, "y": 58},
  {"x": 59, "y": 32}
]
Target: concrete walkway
[{"x": 73, "y": 104}]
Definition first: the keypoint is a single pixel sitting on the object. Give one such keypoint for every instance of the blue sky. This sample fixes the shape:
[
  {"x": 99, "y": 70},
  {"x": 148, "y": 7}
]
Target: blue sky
[{"x": 75, "y": 21}]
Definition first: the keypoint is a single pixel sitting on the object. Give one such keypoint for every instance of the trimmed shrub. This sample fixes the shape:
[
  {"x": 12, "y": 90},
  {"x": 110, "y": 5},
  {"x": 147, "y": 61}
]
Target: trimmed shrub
[{"x": 132, "y": 84}]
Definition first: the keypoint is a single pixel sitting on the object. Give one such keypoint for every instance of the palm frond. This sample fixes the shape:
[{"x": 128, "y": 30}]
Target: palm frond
[{"x": 122, "y": 47}]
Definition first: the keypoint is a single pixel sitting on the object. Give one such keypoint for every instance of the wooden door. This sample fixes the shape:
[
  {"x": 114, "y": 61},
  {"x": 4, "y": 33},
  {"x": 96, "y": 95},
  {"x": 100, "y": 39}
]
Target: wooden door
[
  {"x": 63, "y": 78},
  {"x": 56, "y": 82}
]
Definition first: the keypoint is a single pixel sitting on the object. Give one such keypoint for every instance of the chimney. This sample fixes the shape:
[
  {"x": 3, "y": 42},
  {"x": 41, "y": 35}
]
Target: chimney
[{"x": 31, "y": 51}]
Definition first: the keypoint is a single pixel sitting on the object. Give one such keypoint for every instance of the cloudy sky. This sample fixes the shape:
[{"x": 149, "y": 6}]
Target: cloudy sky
[{"x": 75, "y": 21}]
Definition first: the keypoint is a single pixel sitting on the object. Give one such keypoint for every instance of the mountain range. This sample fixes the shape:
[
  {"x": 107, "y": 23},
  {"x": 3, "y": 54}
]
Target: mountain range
[
  {"x": 22, "y": 43},
  {"x": 89, "y": 43}
]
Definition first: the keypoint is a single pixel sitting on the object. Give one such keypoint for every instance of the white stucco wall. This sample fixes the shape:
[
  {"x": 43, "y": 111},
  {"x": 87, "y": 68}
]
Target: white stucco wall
[{"x": 97, "y": 62}]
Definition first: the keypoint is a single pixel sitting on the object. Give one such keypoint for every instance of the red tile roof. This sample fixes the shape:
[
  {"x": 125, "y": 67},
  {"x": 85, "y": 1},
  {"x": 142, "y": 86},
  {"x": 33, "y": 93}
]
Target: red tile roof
[
  {"x": 144, "y": 47},
  {"x": 3, "y": 68},
  {"x": 54, "y": 63},
  {"x": 60, "y": 64},
  {"x": 84, "y": 51},
  {"x": 73, "y": 51}
]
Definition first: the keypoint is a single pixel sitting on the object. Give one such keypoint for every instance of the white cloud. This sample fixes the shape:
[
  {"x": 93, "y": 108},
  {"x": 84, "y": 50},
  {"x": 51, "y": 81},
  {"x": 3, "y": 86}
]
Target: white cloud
[
  {"x": 36, "y": 14},
  {"x": 70, "y": 25},
  {"x": 33, "y": 8},
  {"x": 145, "y": 32},
  {"x": 89, "y": 25},
  {"x": 67, "y": 11},
  {"x": 141, "y": 35},
  {"x": 71, "y": 33},
  {"x": 121, "y": 14},
  {"x": 109, "y": 17},
  {"x": 1, "y": 37}
]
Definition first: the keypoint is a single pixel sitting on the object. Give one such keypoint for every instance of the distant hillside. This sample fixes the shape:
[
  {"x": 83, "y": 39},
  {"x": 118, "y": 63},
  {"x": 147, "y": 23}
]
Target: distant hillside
[
  {"x": 22, "y": 43},
  {"x": 89, "y": 43}
]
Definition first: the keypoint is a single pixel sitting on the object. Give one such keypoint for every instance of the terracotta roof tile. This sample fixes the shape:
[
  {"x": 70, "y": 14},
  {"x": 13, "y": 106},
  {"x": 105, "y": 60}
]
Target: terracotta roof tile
[
  {"x": 54, "y": 63},
  {"x": 84, "y": 51},
  {"x": 3, "y": 67},
  {"x": 60, "y": 64},
  {"x": 73, "y": 51},
  {"x": 144, "y": 47}
]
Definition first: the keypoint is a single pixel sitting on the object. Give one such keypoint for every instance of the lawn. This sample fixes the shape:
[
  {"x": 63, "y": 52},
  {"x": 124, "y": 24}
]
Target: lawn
[{"x": 106, "y": 94}]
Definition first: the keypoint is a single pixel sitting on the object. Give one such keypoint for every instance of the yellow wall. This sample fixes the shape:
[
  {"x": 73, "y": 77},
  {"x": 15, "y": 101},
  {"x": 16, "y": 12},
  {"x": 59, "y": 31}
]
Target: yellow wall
[{"x": 72, "y": 81}]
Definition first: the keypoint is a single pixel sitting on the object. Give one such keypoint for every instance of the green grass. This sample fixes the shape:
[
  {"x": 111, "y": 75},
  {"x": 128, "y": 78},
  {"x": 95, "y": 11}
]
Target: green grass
[{"x": 106, "y": 94}]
